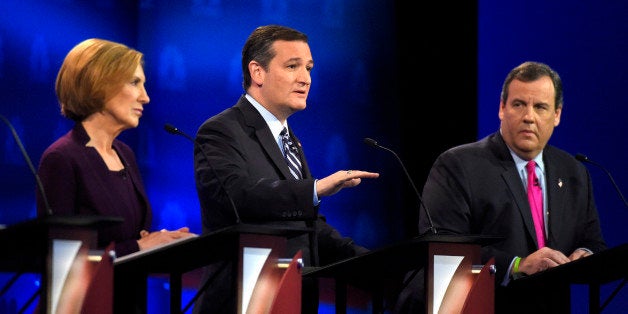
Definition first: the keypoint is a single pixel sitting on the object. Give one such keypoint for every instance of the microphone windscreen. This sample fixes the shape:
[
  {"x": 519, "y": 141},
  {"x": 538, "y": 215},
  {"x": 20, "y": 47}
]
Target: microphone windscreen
[
  {"x": 370, "y": 142},
  {"x": 171, "y": 129}
]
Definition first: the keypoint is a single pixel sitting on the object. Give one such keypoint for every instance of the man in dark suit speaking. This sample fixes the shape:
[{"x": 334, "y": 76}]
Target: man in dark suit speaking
[
  {"x": 482, "y": 188},
  {"x": 253, "y": 151}
]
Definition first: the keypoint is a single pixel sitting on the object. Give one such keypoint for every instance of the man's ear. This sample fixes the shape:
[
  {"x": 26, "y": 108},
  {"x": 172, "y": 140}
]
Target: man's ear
[
  {"x": 500, "y": 114},
  {"x": 557, "y": 115},
  {"x": 257, "y": 73}
]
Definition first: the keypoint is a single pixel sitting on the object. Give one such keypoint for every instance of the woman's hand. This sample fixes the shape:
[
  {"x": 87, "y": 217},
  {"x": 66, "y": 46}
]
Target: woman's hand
[{"x": 152, "y": 239}]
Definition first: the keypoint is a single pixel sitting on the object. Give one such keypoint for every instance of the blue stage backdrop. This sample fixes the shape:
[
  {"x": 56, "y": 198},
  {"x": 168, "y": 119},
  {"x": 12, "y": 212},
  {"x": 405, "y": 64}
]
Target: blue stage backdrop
[{"x": 192, "y": 51}]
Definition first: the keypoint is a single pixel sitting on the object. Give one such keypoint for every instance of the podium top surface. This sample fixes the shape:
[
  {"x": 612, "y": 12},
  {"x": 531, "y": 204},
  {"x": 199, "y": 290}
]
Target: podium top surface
[
  {"x": 455, "y": 238},
  {"x": 89, "y": 221},
  {"x": 600, "y": 268},
  {"x": 287, "y": 232},
  {"x": 194, "y": 252},
  {"x": 25, "y": 244},
  {"x": 386, "y": 264},
  {"x": 83, "y": 220}
]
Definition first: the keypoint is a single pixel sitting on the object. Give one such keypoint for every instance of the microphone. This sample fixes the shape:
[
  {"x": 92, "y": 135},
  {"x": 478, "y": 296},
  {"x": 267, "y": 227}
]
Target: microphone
[
  {"x": 584, "y": 158},
  {"x": 40, "y": 186},
  {"x": 371, "y": 142},
  {"x": 173, "y": 130}
]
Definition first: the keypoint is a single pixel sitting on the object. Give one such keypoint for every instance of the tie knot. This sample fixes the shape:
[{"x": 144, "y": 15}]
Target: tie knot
[
  {"x": 285, "y": 137},
  {"x": 530, "y": 166},
  {"x": 287, "y": 141}
]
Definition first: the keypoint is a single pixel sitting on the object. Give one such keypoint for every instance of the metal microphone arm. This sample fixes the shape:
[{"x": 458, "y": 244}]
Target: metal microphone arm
[
  {"x": 40, "y": 186},
  {"x": 373, "y": 143},
  {"x": 584, "y": 158}
]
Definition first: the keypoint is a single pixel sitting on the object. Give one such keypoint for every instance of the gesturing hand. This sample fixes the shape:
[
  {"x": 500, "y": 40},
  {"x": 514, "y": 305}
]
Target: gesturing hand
[{"x": 335, "y": 182}]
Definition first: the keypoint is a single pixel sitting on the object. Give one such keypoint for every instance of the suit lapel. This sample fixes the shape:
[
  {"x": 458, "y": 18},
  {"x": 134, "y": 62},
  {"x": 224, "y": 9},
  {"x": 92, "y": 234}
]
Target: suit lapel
[
  {"x": 513, "y": 181},
  {"x": 556, "y": 187},
  {"x": 272, "y": 149},
  {"x": 97, "y": 170},
  {"x": 254, "y": 119},
  {"x": 515, "y": 185}
]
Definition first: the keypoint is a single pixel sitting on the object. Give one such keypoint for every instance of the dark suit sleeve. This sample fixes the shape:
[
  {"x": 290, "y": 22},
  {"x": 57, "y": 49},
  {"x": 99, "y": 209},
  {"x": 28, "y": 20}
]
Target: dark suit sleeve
[
  {"x": 460, "y": 202},
  {"x": 336, "y": 246},
  {"x": 446, "y": 197},
  {"x": 595, "y": 239},
  {"x": 580, "y": 213}
]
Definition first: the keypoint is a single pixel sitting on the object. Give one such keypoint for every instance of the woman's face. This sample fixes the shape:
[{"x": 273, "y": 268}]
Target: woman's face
[{"x": 125, "y": 108}]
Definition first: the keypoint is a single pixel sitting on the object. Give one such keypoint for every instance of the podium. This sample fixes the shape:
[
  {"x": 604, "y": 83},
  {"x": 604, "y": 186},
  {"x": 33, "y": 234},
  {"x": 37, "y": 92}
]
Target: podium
[
  {"x": 594, "y": 270},
  {"x": 131, "y": 272},
  {"x": 469, "y": 287},
  {"x": 36, "y": 246}
]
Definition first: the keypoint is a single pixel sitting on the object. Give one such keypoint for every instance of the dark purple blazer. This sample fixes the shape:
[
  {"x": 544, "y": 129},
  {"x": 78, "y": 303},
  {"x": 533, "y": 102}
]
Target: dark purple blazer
[{"x": 77, "y": 181}]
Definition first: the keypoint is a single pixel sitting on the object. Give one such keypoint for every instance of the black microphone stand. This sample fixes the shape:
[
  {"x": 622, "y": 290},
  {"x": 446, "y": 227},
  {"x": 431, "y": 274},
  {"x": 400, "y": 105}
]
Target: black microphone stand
[
  {"x": 40, "y": 186},
  {"x": 373, "y": 143},
  {"x": 584, "y": 158}
]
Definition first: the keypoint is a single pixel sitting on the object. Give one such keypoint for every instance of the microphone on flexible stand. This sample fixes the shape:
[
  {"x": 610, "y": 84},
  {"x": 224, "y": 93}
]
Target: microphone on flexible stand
[
  {"x": 40, "y": 186},
  {"x": 584, "y": 158},
  {"x": 371, "y": 142},
  {"x": 173, "y": 130}
]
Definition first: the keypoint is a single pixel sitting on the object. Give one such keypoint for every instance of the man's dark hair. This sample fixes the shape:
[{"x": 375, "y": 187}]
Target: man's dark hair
[
  {"x": 531, "y": 71},
  {"x": 258, "y": 47}
]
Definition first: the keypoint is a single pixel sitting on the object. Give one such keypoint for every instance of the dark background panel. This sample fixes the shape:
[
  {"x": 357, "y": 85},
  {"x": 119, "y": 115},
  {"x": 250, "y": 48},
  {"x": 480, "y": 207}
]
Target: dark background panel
[{"x": 437, "y": 68}]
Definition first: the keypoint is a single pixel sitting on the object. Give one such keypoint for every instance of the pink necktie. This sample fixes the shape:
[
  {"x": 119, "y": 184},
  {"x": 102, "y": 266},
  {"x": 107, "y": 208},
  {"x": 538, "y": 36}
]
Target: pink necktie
[{"x": 535, "y": 197}]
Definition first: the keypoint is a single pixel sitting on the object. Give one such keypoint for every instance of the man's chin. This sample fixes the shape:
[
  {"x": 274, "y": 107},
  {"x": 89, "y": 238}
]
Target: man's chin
[{"x": 298, "y": 106}]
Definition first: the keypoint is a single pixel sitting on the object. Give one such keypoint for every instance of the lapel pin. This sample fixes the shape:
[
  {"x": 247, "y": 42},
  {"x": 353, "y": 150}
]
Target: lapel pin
[{"x": 560, "y": 182}]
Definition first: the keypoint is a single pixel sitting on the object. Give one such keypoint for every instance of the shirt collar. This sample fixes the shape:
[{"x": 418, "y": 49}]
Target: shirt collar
[
  {"x": 273, "y": 123},
  {"x": 521, "y": 164}
]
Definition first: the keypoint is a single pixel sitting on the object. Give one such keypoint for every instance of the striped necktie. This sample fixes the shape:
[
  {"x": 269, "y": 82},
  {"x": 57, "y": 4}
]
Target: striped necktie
[
  {"x": 290, "y": 153},
  {"x": 535, "y": 197}
]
